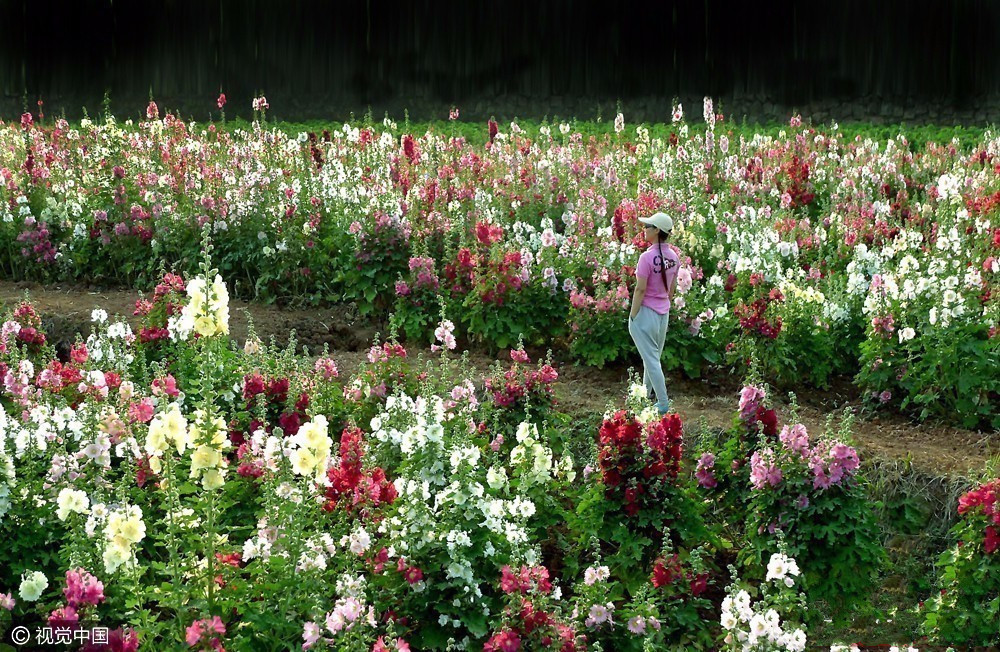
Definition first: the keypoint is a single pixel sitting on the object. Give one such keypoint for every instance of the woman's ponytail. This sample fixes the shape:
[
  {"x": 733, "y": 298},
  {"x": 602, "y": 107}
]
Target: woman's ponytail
[{"x": 663, "y": 261}]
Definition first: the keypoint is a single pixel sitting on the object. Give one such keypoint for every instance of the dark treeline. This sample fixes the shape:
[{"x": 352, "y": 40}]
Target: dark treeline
[{"x": 917, "y": 60}]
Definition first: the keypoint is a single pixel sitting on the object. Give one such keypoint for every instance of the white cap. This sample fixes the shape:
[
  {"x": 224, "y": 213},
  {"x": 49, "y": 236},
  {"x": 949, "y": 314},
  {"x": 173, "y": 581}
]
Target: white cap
[{"x": 662, "y": 221}]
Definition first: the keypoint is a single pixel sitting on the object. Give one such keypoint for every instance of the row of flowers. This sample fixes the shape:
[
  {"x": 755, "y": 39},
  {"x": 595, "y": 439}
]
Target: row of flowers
[
  {"x": 867, "y": 257},
  {"x": 196, "y": 494}
]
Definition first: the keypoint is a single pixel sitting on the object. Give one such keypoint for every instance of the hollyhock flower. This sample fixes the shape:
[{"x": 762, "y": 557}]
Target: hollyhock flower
[
  {"x": 750, "y": 398},
  {"x": 699, "y": 584},
  {"x": 165, "y": 386},
  {"x": 152, "y": 111},
  {"x": 83, "y": 588},
  {"x": 992, "y": 540},
  {"x": 666, "y": 571},
  {"x": 32, "y": 586},
  {"x": 327, "y": 368},
  {"x": 795, "y": 438},
  {"x": 205, "y": 630},
  {"x": 444, "y": 334},
  {"x": 221, "y": 101},
  {"x": 637, "y": 625},
  {"x": 764, "y": 470},
  {"x": 768, "y": 419},
  {"x": 64, "y": 616},
  {"x": 141, "y": 411},
  {"x": 7, "y": 601},
  {"x": 595, "y": 574},
  {"x": 503, "y": 641},
  {"x": 704, "y": 472},
  {"x": 311, "y": 633},
  {"x": 599, "y": 614}
]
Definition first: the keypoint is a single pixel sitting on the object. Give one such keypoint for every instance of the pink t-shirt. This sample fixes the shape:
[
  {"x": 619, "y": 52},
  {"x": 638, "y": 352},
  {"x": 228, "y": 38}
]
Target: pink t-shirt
[{"x": 649, "y": 267}]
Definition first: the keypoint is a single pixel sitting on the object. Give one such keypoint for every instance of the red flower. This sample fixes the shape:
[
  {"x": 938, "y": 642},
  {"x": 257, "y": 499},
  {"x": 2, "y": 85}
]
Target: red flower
[
  {"x": 768, "y": 420},
  {"x": 504, "y": 641},
  {"x": 666, "y": 571},
  {"x": 699, "y": 584},
  {"x": 413, "y": 575},
  {"x": 992, "y": 541},
  {"x": 252, "y": 386},
  {"x": 290, "y": 422}
]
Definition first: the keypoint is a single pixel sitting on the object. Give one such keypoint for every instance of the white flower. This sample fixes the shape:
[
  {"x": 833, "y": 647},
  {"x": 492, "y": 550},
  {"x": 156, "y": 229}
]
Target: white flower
[
  {"x": 99, "y": 316},
  {"x": 358, "y": 542},
  {"x": 638, "y": 390},
  {"x": 728, "y": 620},
  {"x": 795, "y": 641},
  {"x": 758, "y": 626},
  {"x": 777, "y": 567},
  {"x": 71, "y": 501},
  {"x": 33, "y": 585},
  {"x": 906, "y": 334}
]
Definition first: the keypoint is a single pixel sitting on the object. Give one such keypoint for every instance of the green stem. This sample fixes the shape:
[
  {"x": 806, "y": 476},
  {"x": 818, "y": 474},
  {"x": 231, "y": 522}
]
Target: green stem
[
  {"x": 174, "y": 507},
  {"x": 211, "y": 552}
]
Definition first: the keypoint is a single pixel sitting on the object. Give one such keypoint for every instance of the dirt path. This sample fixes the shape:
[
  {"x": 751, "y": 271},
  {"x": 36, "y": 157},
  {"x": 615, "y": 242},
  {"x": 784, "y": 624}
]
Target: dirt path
[{"x": 936, "y": 448}]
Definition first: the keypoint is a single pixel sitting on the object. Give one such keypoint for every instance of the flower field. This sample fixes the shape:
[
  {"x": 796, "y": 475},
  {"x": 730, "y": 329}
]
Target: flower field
[
  {"x": 182, "y": 489},
  {"x": 813, "y": 253},
  {"x": 188, "y": 492}
]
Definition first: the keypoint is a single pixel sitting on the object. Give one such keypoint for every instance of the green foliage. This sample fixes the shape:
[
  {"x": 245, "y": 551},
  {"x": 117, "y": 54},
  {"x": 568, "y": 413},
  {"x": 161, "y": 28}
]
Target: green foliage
[
  {"x": 966, "y": 609},
  {"x": 922, "y": 376}
]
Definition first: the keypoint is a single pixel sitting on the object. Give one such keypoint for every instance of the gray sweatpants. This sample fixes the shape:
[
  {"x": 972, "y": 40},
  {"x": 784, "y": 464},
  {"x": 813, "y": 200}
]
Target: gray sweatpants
[{"x": 648, "y": 331}]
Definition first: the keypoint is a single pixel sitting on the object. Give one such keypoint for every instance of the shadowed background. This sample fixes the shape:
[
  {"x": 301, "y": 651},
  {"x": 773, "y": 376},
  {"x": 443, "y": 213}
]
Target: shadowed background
[{"x": 895, "y": 60}]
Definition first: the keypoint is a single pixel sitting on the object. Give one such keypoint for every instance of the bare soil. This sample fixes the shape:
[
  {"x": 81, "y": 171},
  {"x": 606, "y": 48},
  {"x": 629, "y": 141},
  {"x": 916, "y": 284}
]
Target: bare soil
[{"x": 935, "y": 447}]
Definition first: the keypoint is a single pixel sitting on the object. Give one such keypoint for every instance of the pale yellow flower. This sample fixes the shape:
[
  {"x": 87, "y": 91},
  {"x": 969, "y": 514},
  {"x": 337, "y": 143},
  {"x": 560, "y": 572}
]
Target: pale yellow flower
[
  {"x": 303, "y": 461},
  {"x": 205, "y": 457},
  {"x": 212, "y": 479}
]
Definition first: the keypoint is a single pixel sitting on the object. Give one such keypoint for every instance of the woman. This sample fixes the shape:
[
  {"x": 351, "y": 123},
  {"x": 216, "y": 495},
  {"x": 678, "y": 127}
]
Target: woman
[{"x": 656, "y": 280}]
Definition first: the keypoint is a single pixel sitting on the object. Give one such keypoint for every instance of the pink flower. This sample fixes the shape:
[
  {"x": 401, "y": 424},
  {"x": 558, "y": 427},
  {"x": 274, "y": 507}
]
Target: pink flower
[
  {"x": 64, "y": 616},
  {"x": 327, "y": 368},
  {"x": 7, "y": 601},
  {"x": 260, "y": 104},
  {"x": 152, "y": 111},
  {"x": 203, "y": 630},
  {"x": 310, "y": 634},
  {"x": 83, "y": 588},
  {"x": 599, "y": 614},
  {"x": 26, "y": 120},
  {"x": 637, "y": 625},
  {"x": 763, "y": 470},
  {"x": 750, "y": 398},
  {"x": 795, "y": 438},
  {"x": 704, "y": 472},
  {"x": 519, "y": 355},
  {"x": 165, "y": 385},
  {"x": 141, "y": 412},
  {"x": 221, "y": 102},
  {"x": 444, "y": 334}
]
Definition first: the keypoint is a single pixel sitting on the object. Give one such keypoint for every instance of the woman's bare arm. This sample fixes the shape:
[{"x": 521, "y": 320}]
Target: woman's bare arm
[{"x": 637, "y": 296}]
